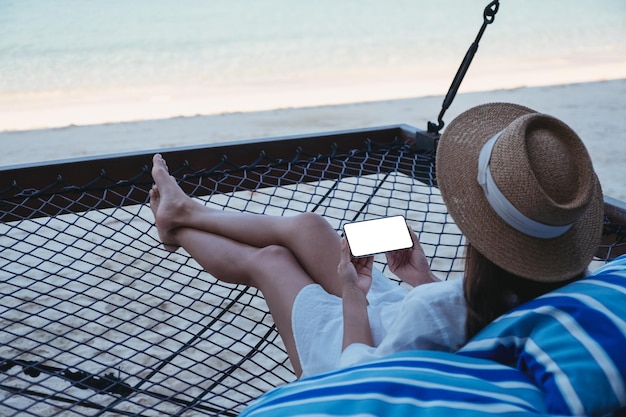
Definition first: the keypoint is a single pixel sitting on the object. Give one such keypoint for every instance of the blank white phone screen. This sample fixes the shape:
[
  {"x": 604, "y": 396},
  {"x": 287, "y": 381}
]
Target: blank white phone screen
[{"x": 370, "y": 237}]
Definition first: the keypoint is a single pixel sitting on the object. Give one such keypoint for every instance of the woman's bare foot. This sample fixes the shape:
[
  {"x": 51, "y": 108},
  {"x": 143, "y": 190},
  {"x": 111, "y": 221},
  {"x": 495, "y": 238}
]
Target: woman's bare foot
[
  {"x": 168, "y": 203},
  {"x": 164, "y": 236}
]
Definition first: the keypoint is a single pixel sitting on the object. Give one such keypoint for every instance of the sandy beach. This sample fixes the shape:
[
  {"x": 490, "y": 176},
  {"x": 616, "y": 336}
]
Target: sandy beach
[{"x": 595, "y": 110}]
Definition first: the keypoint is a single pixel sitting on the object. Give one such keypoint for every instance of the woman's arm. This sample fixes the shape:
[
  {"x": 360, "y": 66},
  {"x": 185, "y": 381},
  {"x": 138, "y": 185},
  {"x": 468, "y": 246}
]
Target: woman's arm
[
  {"x": 356, "y": 325},
  {"x": 356, "y": 276}
]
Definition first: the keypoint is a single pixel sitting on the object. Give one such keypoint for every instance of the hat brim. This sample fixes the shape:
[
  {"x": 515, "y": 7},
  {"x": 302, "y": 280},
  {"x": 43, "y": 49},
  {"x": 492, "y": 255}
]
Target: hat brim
[{"x": 545, "y": 260}]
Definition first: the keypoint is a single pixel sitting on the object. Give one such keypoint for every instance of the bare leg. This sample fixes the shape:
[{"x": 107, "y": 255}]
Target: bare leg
[
  {"x": 310, "y": 238},
  {"x": 272, "y": 269}
]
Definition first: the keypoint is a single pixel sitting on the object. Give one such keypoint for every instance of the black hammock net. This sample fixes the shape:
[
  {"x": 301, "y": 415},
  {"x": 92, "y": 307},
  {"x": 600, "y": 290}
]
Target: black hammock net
[{"x": 97, "y": 318}]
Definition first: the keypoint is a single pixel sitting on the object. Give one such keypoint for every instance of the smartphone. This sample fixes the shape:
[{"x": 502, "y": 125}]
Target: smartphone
[{"x": 370, "y": 237}]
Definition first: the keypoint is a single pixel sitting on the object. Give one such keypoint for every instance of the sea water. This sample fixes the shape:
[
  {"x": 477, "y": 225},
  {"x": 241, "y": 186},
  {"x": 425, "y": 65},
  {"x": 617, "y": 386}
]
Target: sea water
[{"x": 66, "y": 45}]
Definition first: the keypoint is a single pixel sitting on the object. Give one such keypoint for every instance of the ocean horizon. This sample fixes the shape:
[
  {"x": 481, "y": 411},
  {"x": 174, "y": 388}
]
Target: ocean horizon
[
  {"x": 75, "y": 62},
  {"x": 74, "y": 44}
]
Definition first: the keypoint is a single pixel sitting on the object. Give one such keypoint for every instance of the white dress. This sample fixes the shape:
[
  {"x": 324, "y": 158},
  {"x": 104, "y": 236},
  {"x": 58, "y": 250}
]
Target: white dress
[{"x": 429, "y": 316}]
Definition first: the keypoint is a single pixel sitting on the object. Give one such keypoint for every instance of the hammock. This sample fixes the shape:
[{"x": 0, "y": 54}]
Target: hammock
[{"x": 97, "y": 319}]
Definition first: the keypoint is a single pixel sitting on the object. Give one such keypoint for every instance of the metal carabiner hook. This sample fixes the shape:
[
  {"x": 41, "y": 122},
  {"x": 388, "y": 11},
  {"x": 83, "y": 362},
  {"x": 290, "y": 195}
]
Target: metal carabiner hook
[{"x": 489, "y": 14}]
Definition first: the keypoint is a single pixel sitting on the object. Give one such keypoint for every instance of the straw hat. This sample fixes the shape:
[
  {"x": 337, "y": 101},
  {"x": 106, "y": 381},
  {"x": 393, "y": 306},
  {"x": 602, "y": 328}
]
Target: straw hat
[{"x": 539, "y": 210}]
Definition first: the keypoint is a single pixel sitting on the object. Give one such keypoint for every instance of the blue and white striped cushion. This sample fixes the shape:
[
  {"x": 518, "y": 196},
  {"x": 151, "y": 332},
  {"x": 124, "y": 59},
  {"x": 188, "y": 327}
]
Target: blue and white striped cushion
[
  {"x": 414, "y": 383},
  {"x": 571, "y": 342}
]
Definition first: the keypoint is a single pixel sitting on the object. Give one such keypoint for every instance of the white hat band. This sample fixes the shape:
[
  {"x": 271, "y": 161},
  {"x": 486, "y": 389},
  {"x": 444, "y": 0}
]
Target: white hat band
[{"x": 503, "y": 207}]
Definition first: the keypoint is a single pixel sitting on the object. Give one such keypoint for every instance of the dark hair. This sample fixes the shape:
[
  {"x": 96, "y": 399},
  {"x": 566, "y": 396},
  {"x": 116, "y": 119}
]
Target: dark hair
[{"x": 491, "y": 291}]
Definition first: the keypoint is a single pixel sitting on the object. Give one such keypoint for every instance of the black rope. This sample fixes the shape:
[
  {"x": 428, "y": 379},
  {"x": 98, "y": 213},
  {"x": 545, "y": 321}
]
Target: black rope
[
  {"x": 489, "y": 15},
  {"x": 107, "y": 383}
]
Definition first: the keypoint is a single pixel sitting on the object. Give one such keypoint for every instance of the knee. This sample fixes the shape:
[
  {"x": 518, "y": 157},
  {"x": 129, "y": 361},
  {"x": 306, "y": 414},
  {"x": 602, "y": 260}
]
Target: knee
[
  {"x": 312, "y": 221},
  {"x": 274, "y": 255},
  {"x": 269, "y": 261}
]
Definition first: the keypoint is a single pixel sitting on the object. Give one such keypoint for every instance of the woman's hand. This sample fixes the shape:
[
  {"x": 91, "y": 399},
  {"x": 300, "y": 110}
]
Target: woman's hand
[
  {"x": 355, "y": 272},
  {"x": 411, "y": 265}
]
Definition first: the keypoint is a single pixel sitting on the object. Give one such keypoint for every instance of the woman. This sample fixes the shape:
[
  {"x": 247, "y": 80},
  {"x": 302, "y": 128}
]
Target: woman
[{"x": 521, "y": 188}]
